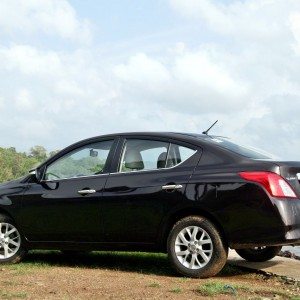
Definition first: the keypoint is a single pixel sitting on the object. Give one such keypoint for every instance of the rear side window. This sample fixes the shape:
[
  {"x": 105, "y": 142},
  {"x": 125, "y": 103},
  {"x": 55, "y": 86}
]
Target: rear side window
[
  {"x": 178, "y": 154},
  {"x": 141, "y": 155}
]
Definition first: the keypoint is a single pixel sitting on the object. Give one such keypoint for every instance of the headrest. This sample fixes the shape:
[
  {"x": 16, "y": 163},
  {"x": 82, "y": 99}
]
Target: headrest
[
  {"x": 134, "y": 160},
  {"x": 161, "y": 161}
]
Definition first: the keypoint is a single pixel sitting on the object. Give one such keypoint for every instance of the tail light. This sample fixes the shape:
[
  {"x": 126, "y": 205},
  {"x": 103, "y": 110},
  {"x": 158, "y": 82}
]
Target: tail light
[{"x": 276, "y": 185}]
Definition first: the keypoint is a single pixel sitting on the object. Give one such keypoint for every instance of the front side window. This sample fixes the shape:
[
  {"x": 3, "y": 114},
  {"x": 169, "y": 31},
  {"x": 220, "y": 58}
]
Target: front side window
[
  {"x": 141, "y": 155},
  {"x": 88, "y": 160}
]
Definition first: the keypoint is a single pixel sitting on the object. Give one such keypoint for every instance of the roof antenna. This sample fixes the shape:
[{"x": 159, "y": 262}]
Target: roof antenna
[{"x": 206, "y": 131}]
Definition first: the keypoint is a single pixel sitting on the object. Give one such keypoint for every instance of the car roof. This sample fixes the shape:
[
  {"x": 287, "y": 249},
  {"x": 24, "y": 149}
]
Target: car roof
[
  {"x": 158, "y": 133},
  {"x": 189, "y": 137}
]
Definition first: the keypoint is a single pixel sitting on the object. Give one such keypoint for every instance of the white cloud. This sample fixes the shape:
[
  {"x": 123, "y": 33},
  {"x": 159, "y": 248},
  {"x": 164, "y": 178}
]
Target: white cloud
[
  {"x": 30, "y": 61},
  {"x": 143, "y": 71},
  {"x": 23, "y": 100},
  {"x": 246, "y": 74},
  {"x": 249, "y": 19},
  {"x": 189, "y": 81},
  {"x": 51, "y": 17}
]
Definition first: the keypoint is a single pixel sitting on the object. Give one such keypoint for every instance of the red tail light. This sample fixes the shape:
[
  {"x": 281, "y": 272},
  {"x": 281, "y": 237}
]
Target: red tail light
[{"x": 272, "y": 182}]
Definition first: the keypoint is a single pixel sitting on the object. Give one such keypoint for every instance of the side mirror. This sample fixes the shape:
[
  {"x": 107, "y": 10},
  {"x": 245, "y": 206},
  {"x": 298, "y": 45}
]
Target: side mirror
[{"x": 37, "y": 174}]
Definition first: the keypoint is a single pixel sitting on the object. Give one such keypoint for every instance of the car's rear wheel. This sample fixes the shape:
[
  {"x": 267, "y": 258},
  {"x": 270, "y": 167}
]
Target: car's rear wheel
[
  {"x": 12, "y": 249},
  {"x": 195, "y": 248},
  {"x": 259, "y": 254}
]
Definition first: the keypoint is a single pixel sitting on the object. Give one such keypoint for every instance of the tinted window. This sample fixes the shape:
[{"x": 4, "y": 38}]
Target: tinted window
[
  {"x": 242, "y": 150},
  {"x": 151, "y": 155},
  {"x": 85, "y": 161},
  {"x": 178, "y": 154},
  {"x": 143, "y": 155}
]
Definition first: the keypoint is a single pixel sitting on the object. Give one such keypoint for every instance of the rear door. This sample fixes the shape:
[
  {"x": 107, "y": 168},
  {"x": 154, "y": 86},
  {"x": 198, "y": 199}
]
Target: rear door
[{"x": 150, "y": 177}]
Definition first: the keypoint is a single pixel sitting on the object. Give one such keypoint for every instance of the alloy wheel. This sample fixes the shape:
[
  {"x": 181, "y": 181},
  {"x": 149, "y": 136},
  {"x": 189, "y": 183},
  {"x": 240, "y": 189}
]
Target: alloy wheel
[
  {"x": 10, "y": 240},
  {"x": 193, "y": 247}
]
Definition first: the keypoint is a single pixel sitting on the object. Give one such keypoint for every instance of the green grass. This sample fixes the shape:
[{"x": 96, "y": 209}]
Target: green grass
[
  {"x": 176, "y": 290},
  {"x": 140, "y": 262},
  {"x": 154, "y": 285},
  {"x": 7, "y": 295},
  {"x": 214, "y": 288}
]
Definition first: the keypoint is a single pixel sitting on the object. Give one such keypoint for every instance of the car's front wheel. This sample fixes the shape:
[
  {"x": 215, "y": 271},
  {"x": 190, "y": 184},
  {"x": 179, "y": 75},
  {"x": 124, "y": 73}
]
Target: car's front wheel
[
  {"x": 259, "y": 254},
  {"x": 12, "y": 249},
  {"x": 195, "y": 248}
]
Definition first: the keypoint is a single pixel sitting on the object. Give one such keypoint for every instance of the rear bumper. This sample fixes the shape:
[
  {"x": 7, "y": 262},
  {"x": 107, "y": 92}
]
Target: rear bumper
[{"x": 280, "y": 229}]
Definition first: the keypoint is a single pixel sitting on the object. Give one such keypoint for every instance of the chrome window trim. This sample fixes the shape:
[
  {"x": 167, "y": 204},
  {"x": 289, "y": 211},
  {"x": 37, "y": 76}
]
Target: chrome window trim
[{"x": 69, "y": 178}]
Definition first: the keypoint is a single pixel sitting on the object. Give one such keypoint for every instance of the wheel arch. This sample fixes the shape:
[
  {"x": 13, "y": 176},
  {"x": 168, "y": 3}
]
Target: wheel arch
[
  {"x": 182, "y": 213},
  {"x": 5, "y": 212}
]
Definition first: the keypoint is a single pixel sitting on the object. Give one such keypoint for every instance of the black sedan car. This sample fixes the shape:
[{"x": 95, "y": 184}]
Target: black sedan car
[{"x": 190, "y": 195}]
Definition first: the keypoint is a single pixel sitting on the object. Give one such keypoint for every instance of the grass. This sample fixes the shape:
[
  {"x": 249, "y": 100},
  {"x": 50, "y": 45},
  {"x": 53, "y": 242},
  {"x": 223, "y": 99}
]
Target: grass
[
  {"x": 176, "y": 290},
  {"x": 6, "y": 295},
  {"x": 140, "y": 262},
  {"x": 148, "y": 264},
  {"x": 154, "y": 285},
  {"x": 215, "y": 288}
]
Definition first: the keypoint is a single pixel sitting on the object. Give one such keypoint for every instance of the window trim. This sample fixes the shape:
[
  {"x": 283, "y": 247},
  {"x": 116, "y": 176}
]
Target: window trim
[{"x": 122, "y": 153}]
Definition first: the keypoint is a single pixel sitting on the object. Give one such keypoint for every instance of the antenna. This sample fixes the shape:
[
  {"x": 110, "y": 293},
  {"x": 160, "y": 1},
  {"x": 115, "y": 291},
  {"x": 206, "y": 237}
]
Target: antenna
[{"x": 206, "y": 131}]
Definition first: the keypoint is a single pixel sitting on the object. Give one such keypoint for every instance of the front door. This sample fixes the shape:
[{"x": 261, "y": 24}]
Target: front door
[
  {"x": 64, "y": 206},
  {"x": 149, "y": 180}
]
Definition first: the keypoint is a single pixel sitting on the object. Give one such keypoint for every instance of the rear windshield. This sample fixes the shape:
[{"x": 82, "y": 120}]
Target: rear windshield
[{"x": 239, "y": 149}]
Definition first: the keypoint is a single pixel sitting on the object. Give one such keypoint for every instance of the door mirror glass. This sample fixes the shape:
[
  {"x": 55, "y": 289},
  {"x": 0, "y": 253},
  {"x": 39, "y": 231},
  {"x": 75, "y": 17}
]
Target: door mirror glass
[{"x": 88, "y": 160}]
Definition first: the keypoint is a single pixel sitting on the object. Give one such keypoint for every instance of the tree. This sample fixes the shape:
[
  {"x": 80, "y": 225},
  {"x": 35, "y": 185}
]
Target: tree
[
  {"x": 52, "y": 153},
  {"x": 14, "y": 164},
  {"x": 39, "y": 153}
]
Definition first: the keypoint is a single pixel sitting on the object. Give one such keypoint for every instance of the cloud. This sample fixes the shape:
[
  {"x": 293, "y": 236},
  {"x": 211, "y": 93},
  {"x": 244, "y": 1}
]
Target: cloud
[
  {"x": 240, "y": 64},
  {"x": 187, "y": 81},
  {"x": 260, "y": 20},
  {"x": 50, "y": 17},
  {"x": 23, "y": 100},
  {"x": 143, "y": 71}
]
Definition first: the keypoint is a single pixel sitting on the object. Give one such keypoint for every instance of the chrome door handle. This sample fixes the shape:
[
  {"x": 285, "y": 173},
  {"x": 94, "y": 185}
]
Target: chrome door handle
[
  {"x": 86, "y": 192},
  {"x": 172, "y": 187}
]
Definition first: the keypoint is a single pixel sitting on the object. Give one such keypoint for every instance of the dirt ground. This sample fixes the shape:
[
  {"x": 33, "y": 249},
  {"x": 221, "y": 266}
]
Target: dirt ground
[{"x": 106, "y": 275}]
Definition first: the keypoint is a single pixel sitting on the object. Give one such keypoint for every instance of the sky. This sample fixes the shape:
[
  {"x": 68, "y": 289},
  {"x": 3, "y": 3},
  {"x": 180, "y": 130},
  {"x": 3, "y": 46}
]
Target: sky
[{"x": 74, "y": 69}]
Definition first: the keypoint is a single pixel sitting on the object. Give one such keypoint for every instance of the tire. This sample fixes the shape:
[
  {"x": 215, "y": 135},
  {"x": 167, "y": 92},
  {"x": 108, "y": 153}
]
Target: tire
[
  {"x": 12, "y": 248},
  {"x": 259, "y": 254},
  {"x": 190, "y": 241}
]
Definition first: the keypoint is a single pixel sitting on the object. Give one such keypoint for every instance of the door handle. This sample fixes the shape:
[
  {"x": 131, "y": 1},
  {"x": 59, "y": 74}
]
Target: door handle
[
  {"x": 86, "y": 192},
  {"x": 172, "y": 187}
]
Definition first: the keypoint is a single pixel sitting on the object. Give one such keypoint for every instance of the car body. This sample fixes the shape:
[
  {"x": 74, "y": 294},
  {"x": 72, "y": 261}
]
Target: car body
[{"x": 133, "y": 204}]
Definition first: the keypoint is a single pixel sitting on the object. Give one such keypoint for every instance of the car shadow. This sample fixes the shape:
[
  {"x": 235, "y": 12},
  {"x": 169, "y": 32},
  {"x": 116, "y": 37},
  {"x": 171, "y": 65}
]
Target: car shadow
[
  {"x": 139, "y": 262},
  {"x": 256, "y": 265}
]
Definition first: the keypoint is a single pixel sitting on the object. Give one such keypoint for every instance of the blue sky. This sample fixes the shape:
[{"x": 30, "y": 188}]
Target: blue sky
[{"x": 75, "y": 69}]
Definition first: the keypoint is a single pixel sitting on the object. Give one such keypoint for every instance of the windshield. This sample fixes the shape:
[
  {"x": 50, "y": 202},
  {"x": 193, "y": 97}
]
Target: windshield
[{"x": 239, "y": 149}]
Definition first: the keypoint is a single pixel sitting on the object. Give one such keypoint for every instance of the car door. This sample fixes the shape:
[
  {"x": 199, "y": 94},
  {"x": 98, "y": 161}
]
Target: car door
[
  {"x": 149, "y": 179},
  {"x": 64, "y": 206}
]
